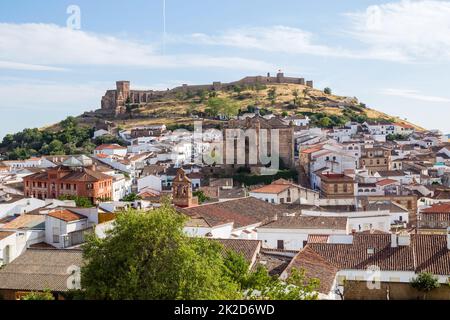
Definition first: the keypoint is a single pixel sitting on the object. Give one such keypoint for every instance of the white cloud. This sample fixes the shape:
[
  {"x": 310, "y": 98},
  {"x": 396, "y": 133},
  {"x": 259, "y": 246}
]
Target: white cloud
[
  {"x": 50, "y": 96},
  {"x": 405, "y": 30},
  {"x": 413, "y": 94},
  {"x": 29, "y": 67},
  {"x": 272, "y": 39},
  {"x": 50, "y": 45}
]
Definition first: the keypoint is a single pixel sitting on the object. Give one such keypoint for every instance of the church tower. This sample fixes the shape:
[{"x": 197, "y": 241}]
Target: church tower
[{"x": 182, "y": 191}]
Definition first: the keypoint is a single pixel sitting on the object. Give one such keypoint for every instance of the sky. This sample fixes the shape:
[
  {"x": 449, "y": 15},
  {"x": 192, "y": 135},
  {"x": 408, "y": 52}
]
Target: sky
[{"x": 57, "y": 57}]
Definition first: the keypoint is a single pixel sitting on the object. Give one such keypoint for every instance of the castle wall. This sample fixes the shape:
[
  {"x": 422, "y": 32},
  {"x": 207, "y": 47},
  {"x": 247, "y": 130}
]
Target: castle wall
[{"x": 114, "y": 100}]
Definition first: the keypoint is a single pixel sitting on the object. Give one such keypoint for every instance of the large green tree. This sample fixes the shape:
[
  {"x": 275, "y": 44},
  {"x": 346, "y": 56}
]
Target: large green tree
[{"x": 148, "y": 256}]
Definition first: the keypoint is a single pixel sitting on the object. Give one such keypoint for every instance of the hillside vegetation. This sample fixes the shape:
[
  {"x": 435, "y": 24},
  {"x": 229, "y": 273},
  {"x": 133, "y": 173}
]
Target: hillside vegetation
[{"x": 324, "y": 108}]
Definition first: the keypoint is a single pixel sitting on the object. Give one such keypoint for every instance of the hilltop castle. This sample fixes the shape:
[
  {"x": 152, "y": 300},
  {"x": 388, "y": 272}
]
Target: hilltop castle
[{"x": 114, "y": 101}]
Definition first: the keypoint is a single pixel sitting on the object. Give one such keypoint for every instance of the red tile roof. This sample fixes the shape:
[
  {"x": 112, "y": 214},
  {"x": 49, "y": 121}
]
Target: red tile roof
[
  {"x": 110, "y": 146},
  {"x": 5, "y": 234},
  {"x": 243, "y": 212},
  {"x": 438, "y": 208},
  {"x": 386, "y": 182},
  {"x": 66, "y": 215},
  {"x": 316, "y": 267},
  {"x": 426, "y": 253},
  {"x": 272, "y": 188}
]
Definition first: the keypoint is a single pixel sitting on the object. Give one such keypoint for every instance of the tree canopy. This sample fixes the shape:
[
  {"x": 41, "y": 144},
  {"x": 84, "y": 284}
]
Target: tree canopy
[{"x": 148, "y": 256}]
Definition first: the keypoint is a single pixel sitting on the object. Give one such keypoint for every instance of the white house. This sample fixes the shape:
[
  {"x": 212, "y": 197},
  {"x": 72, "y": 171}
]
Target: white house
[
  {"x": 282, "y": 191},
  {"x": 121, "y": 186},
  {"x": 100, "y": 133},
  {"x": 111, "y": 149},
  {"x": 292, "y": 232},
  {"x": 26, "y": 230},
  {"x": 154, "y": 182},
  {"x": 8, "y": 250}
]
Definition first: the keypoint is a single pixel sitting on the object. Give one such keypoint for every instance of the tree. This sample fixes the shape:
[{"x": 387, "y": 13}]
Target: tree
[
  {"x": 295, "y": 93},
  {"x": 148, "y": 256},
  {"x": 131, "y": 197},
  {"x": 34, "y": 295},
  {"x": 260, "y": 285},
  {"x": 272, "y": 95},
  {"x": 56, "y": 147},
  {"x": 325, "y": 122},
  {"x": 222, "y": 106},
  {"x": 200, "y": 195},
  {"x": 284, "y": 114},
  {"x": 425, "y": 282},
  {"x": 82, "y": 202},
  {"x": 327, "y": 90}
]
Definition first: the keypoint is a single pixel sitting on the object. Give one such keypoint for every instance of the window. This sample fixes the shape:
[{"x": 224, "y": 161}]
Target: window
[
  {"x": 345, "y": 187},
  {"x": 335, "y": 188}
]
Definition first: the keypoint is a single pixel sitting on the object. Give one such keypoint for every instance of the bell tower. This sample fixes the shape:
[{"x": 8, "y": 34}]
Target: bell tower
[{"x": 182, "y": 191}]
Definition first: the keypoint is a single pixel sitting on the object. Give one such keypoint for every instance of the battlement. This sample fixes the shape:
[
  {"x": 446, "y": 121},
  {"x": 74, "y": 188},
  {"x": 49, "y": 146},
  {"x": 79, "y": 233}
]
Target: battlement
[{"x": 115, "y": 101}]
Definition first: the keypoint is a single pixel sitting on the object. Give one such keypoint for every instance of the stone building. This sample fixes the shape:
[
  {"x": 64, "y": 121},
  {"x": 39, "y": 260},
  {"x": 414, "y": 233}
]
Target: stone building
[
  {"x": 336, "y": 185},
  {"x": 258, "y": 123},
  {"x": 114, "y": 101},
  {"x": 182, "y": 191},
  {"x": 72, "y": 178},
  {"x": 375, "y": 159}
]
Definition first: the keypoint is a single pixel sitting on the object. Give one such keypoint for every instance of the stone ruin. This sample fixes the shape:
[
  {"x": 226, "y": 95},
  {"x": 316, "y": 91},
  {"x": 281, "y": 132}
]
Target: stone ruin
[{"x": 114, "y": 101}]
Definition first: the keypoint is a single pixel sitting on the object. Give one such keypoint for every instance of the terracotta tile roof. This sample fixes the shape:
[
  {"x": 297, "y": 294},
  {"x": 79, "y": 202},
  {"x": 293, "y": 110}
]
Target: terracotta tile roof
[
  {"x": 272, "y": 188},
  {"x": 357, "y": 256},
  {"x": 386, "y": 182},
  {"x": 334, "y": 177},
  {"x": 391, "y": 173},
  {"x": 66, "y": 215},
  {"x": 110, "y": 146},
  {"x": 314, "y": 266},
  {"x": 243, "y": 212},
  {"x": 312, "y": 149},
  {"x": 102, "y": 156},
  {"x": 5, "y": 234},
  {"x": 438, "y": 208},
  {"x": 248, "y": 248},
  {"x": 431, "y": 254},
  {"x": 318, "y": 238},
  {"x": 426, "y": 253},
  {"x": 308, "y": 222},
  {"x": 27, "y": 221},
  {"x": 40, "y": 269}
]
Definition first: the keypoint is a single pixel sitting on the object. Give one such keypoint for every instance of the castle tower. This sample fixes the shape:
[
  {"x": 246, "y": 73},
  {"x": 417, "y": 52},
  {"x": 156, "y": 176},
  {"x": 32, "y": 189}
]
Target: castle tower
[
  {"x": 280, "y": 77},
  {"x": 122, "y": 92},
  {"x": 182, "y": 191}
]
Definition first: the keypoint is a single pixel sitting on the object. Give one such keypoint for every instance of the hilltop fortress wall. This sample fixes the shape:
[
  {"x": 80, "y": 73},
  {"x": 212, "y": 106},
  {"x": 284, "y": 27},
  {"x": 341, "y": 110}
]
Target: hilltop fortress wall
[{"x": 114, "y": 101}]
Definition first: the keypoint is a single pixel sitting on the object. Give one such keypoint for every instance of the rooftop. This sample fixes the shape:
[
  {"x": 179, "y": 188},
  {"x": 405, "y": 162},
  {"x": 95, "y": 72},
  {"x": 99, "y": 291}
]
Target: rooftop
[
  {"x": 40, "y": 269},
  {"x": 66, "y": 215},
  {"x": 308, "y": 222}
]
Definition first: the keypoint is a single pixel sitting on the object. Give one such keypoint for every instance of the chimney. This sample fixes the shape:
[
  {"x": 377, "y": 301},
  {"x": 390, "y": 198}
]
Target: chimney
[
  {"x": 448, "y": 238},
  {"x": 393, "y": 240}
]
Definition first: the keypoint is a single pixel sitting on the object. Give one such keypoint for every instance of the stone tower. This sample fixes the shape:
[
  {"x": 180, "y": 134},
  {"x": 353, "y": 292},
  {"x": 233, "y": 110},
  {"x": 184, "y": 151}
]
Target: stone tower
[
  {"x": 182, "y": 191},
  {"x": 122, "y": 95}
]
